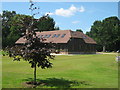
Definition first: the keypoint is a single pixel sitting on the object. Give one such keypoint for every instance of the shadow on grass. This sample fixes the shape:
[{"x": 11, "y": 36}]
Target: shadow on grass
[{"x": 56, "y": 82}]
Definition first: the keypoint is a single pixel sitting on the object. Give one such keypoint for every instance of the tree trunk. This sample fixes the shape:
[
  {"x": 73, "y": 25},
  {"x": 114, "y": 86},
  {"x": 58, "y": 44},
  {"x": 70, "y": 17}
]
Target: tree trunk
[
  {"x": 104, "y": 48},
  {"x": 35, "y": 74}
]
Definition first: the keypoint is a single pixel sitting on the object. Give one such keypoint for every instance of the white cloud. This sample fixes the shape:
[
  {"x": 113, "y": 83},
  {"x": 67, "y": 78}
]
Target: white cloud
[
  {"x": 67, "y": 12},
  {"x": 73, "y": 8},
  {"x": 63, "y": 12},
  {"x": 75, "y": 22}
]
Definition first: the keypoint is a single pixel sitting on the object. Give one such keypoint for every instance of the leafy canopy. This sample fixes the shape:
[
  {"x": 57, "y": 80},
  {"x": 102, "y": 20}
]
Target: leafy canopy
[{"x": 106, "y": 33}]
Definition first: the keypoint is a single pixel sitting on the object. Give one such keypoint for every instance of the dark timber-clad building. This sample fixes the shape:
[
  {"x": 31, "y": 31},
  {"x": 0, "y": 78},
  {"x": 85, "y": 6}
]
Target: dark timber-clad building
[{"x": 67, "y": 41}]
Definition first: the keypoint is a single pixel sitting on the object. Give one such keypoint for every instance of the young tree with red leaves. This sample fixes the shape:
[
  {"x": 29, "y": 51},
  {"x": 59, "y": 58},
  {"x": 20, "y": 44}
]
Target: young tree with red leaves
[{"x": 35, "y": 51}]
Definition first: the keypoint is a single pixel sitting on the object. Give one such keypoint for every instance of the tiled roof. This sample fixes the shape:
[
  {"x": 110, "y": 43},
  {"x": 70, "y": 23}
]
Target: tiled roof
[
  {"x": 60, "y": 36},
  {"x": 86, "y": 38}
]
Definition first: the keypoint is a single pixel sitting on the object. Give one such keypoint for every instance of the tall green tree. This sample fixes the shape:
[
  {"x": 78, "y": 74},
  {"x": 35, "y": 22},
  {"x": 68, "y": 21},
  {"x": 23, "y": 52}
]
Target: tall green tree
[
  {"x": 13, "y": 36},
  {"x": 13, "y": 27},
  {"x": 22, "y": 22},
  {"x": 106, "y": 33},
  {"x": 46, "y": 23},
  {"x": 6, "y": 22},
  {"x": 6, "y": 25},
  {"x": 113, "y": 25}
]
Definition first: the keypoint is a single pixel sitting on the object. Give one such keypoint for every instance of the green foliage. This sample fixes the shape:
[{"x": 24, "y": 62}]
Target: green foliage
[
  {"x": 22, "y": 22},
  {"x": 57, "y": 28},
  {"x": 13, "y": 25},
  {"x": 6, "y": 26},
  {"x": 6, "y": 20},
  {"x": 79, "y": 30},
  {"x": 106, "y": 33},
  {"x": 45, "y": 23}
]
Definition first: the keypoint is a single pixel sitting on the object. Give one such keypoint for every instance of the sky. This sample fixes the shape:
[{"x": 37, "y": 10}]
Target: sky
[{"x": 68, "y": 15}]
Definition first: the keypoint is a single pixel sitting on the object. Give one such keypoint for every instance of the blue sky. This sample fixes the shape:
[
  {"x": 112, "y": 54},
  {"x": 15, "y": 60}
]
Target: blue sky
[{"x": 69, "y": 15}]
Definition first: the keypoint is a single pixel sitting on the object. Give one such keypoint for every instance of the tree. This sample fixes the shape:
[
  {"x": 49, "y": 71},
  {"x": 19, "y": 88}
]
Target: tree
[
  {"x": 111, "y": 27},
  {"x": 56, "y": 28},
  {"x": 35, "y": 51},
  {"x": 6, "y": 25},
  {"x": 21, "y": 21},
  {"x": 13, "y": 26},
  {"x": 79, "y": 30},
  {"x": 45, "y": 23},
  {"x": 6, "y": 21},
  {"x": 106, "y": 33},
  {"x": 13, "y": 36}
]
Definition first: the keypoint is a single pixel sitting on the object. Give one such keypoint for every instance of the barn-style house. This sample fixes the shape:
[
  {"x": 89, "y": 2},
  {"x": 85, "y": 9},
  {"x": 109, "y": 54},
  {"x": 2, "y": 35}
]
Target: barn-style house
[{"x": 67, "y": 41}]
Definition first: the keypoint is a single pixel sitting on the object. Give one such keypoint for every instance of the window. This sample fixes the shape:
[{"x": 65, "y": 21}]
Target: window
[
  {"x": 57, "y": 35},
  {"x": 63, "y": 36},
  {"x": 45, "y": 36},
  {"x": 40, "y": 36},
  {"x": 48, "y": 36},
  {"x": 54, "y": 36}
]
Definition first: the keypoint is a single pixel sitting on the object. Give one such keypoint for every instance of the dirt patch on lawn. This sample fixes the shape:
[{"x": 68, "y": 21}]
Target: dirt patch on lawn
[{"x": 31, "y": 84}]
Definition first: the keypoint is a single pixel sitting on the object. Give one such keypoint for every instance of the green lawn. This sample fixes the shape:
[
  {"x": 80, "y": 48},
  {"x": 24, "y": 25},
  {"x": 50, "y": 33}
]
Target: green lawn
[{"x": 75, "y": 71}]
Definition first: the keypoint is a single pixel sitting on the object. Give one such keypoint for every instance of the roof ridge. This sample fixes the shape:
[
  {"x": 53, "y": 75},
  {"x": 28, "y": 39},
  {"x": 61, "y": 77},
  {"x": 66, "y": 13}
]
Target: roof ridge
[{"x": 55, "y": 31}]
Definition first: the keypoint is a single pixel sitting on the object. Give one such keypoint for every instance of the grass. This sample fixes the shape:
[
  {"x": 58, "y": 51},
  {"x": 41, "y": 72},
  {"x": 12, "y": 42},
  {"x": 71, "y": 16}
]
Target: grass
[{"x": 75, "y": 71}]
